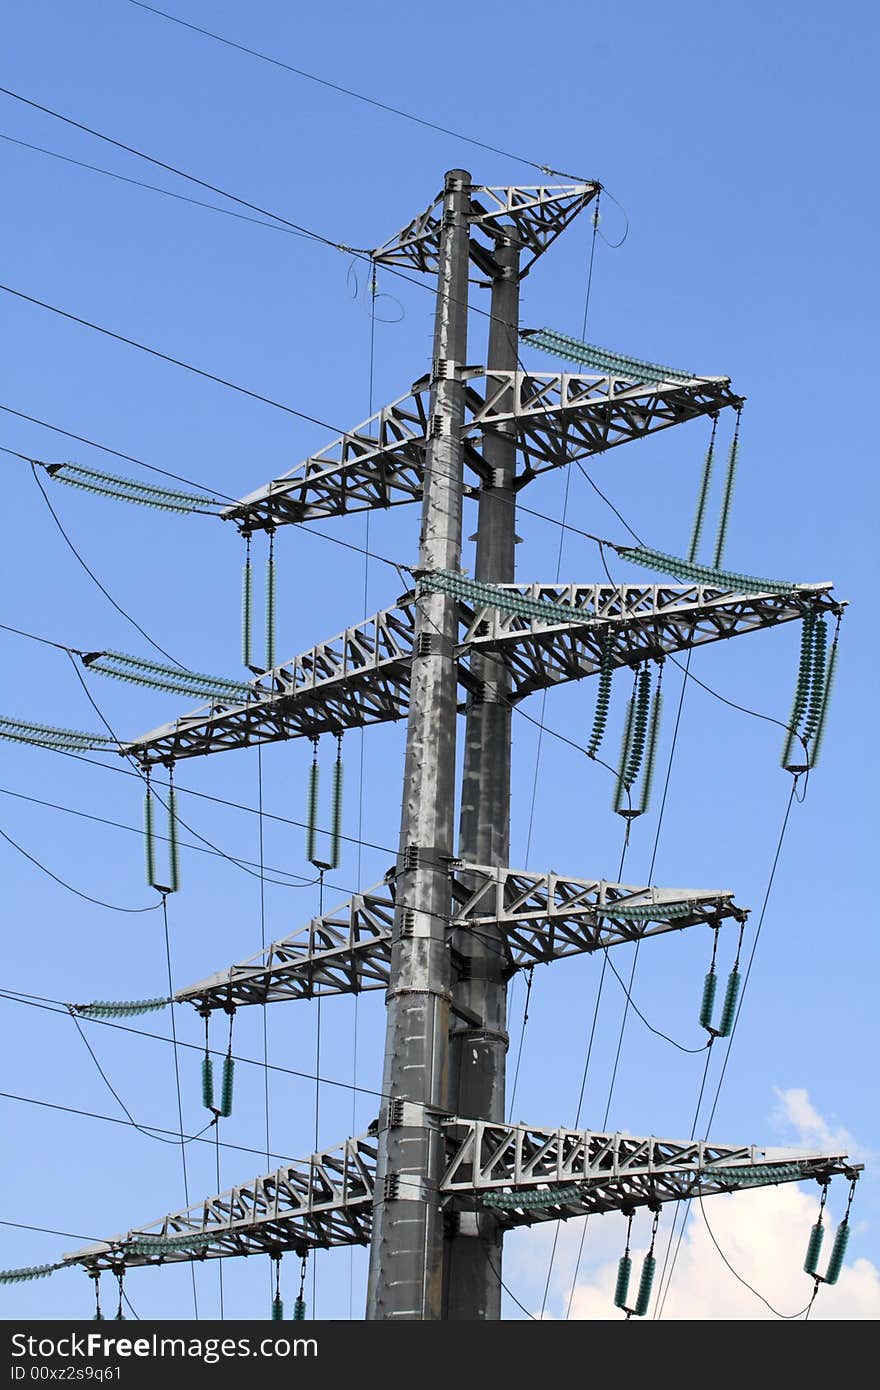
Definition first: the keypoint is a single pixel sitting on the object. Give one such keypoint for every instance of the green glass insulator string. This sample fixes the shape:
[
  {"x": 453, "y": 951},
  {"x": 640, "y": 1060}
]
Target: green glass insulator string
[
  {"x": 277, "y": 1301},
  {"x": 603, "y": 694},
  {"x": 247, "y": 606},
  {"x": 227, "y": 1082},
  {"x": 636, "y": 734},
  {"x": 838, "y": 1251},
  {"x": 207, "y": 1072},
  {"x": 312, "y": 804},
  {"x": 814, "y": 1249},
  {"x": 624, "y": 1270},
  {"x": 620, "y": 788},
  {"x": 724, "y": 519},
  {"x": 621, "y": 1289},
  {"x": 649, "y": 1269},
  {"x": 173, "y": 846},
  {"x": 270, "y": 605},
  {"x": 701, "y": 574},
  {"x": 802, "y": 685},
  {"x": 120, "y": 1008},
  {"x": 707, "y": 1005},
  {"x": 336, "y": 807},
  {"x": 653, "y": 738},
  {"x": 646, "y": 1284},
  {"x": 703, "y": 496},
  {"x": 149, "y": 835},
  {"x": 816, "y": 696},
  {"x": 821, "y": 722}
]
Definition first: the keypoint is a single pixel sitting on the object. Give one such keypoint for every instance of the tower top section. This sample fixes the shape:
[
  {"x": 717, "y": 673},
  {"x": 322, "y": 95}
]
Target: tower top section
[{"x": 530, "y": 217}]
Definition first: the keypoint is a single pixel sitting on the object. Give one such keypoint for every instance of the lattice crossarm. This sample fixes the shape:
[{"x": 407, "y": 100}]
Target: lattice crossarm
[
  {"x": 554, "y": 417},
  {"x": 343, "y": 952},
  {"x": 526, "y": 1174},
  {"x": 541, "y": 918},
  {"x": 312, "y": 1204}
]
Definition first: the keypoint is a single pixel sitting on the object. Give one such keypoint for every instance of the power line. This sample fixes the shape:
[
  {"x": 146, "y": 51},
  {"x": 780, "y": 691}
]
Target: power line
[
  {"x": 166, "y": 357},
  {"x": 172, "y": 169},
  {"x": 773, "y": 868},
  {"x": 57, "y": 1006},
  {"x": 106, "y": 449},
  {"x": 98, "y": 902},
  {"x": 94, "y": 578},
  {"x": 347, "y": 91},
  {"x": 154, "y": 188},
  {"x": 150, "y": 1130}
]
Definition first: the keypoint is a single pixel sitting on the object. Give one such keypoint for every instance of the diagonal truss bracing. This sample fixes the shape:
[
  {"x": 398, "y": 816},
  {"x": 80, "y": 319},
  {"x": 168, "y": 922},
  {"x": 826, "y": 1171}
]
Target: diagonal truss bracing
[
  {"x": 327, "y": 1199},
  {"x": 361, "y": 677},
  {"x": 541, "y": 917},
  {"x": 529, "y": 217},
  {"x": 554, "y": 416}
]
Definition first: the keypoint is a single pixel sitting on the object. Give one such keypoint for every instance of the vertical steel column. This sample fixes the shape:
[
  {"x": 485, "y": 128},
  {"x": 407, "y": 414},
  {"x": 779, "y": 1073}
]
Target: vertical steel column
[
  {"x": 478, "y": 1051},
  {"x": 406, "y": 1250}
]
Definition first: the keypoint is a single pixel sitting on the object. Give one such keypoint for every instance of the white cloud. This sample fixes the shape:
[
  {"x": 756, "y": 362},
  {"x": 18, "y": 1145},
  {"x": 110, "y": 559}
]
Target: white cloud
[
  {"x": 796, "y": 1111},
  {"x": 763, "y": 1233}
]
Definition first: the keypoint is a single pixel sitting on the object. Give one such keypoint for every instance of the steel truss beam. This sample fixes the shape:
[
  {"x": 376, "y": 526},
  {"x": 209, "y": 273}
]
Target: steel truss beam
[
  {"x": 361, "y": 677},
  {"x": 555, "y": 417},
  {"x": 327, "y": 1200},
  {"x": 531, "y": 218},
  {"x": 541, "y": 917}
]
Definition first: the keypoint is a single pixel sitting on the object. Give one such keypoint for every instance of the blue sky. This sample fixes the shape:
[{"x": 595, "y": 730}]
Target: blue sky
[{"x": 739, "y": 151}]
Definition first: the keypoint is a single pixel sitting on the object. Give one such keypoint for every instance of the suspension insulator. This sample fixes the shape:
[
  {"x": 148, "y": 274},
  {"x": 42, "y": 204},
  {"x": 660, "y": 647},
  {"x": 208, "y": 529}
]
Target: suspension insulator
[
  {"x": 277, "y": 1308},
  {"x": 603, "y": 696},
  {"x": 173, "y": 847},
  {"x": 823, "y": 713},
  {"x": 646, "y": 1283},
  {"x": 802, "y": 685},
  {"x": 270, "y": 609},
  {"x": 728, "y": 1010},
  {"x": 702, "y": 500},
  {"x": 226, "y": 1086},
  {"x": 707, "y": 1007},
  {"x": 838, "y": 1250},
  {"x": 312, "y": 808},
  {"x": 621, "y": 787},
  {"x": 624, "y": 1269},
  {"x": 724, "y": 519},
  {"x": 299, "y": 1310},
  {"x": 336, "y": 814},
  {"x": 208, "y": 1082},
  {"x": 814, "y": 1248},
  {"x": 247, "y": 612},
  {"x": 651, "y": 755},
  {"x": 149, "y": 838}
]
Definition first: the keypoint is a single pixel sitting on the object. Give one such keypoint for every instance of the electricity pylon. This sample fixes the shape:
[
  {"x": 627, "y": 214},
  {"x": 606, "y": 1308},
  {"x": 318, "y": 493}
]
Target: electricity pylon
[{"x": 441, "y": 1176}]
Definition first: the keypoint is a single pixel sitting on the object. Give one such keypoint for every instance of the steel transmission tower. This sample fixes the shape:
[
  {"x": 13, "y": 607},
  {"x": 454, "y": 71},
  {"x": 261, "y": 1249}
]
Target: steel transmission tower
[{"x": 436, "y": 1183}]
